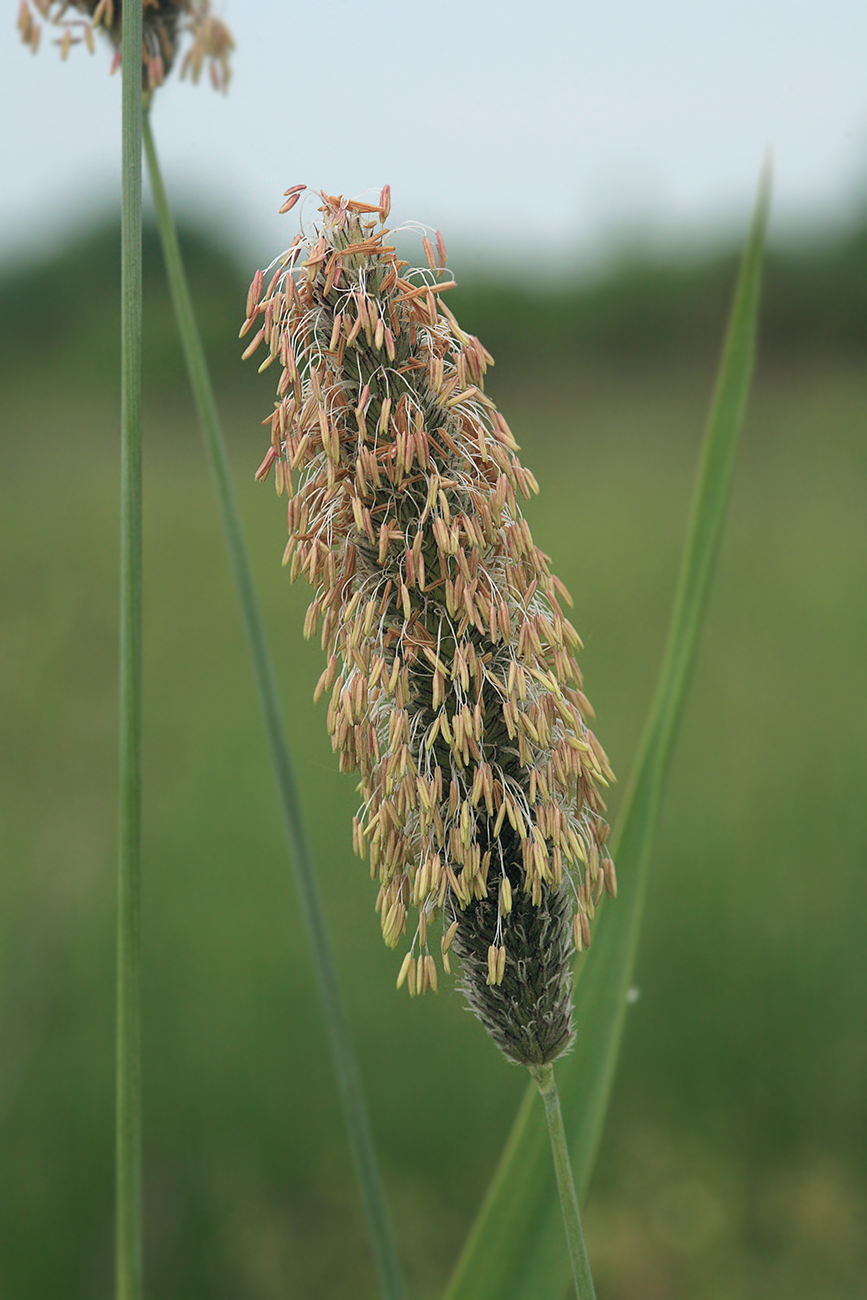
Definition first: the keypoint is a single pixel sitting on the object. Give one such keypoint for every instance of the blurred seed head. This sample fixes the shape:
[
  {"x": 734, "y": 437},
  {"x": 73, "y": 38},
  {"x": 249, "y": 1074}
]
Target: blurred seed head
[
  {"x": 165, "y": 25},
  {"x": 454, "y": 688}
]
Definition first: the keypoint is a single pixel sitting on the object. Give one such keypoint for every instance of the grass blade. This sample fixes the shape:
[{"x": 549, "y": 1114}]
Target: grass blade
[
  {"x": 343, "y": 1056},
  {"x": 128, "y": 1193},
  {"x": 516, "y": 1250}
]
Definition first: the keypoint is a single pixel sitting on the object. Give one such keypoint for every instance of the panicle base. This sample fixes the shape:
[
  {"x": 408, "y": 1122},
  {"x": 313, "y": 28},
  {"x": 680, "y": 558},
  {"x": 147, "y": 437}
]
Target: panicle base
[{"x": 528, "y": 1011}]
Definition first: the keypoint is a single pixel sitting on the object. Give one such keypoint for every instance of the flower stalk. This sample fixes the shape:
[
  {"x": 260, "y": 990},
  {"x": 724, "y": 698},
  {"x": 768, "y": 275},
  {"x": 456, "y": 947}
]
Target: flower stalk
[
  {"x": 544, "y": 1077},
  {"x": 129, "y": 1256}
]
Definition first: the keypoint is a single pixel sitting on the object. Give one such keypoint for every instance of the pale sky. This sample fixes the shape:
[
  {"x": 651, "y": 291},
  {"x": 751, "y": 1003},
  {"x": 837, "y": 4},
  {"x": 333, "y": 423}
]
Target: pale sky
[{"x": 551, "y": 130}]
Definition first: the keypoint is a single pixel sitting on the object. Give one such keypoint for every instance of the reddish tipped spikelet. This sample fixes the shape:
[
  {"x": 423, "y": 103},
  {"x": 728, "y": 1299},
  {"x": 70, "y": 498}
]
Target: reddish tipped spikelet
[
  {"x": 164, "y": 22},
  {"x": 454, "y": 691}
]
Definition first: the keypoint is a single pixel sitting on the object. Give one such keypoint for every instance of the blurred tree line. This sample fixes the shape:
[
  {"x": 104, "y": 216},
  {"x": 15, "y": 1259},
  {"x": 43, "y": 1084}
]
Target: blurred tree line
[{"x": 652, "y": 307}]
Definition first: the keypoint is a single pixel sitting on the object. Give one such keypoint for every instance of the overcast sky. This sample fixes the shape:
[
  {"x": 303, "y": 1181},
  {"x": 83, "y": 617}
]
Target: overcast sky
[{"x": 555, "y": 129}]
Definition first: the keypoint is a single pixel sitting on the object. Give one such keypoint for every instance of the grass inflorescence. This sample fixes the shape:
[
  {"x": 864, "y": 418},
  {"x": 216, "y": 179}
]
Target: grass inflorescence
[{"x": 454, "y": 688}]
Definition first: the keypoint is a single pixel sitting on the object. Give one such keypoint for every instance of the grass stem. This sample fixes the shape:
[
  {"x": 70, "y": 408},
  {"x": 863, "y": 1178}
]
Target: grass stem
[
  {"x": 128, "y": 1117},
  {"x": 343, "y": 1055},
  {"x": 544, "y": 1076}
]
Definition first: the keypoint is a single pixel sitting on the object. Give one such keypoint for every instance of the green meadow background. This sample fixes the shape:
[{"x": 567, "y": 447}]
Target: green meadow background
[{"x": 733, "y": 1164}]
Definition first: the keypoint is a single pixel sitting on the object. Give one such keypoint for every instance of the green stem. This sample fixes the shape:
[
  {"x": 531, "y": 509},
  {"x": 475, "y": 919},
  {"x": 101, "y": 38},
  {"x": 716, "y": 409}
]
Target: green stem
[
  {"x": 544, "y": 1076},
  {"x": 128, "y": 1133},
  {"x": 345, "y": 1065}
]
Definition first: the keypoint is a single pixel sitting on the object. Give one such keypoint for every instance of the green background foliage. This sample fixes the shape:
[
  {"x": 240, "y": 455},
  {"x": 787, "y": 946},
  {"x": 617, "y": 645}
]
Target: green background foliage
[{"x": 733, "y": 1161}]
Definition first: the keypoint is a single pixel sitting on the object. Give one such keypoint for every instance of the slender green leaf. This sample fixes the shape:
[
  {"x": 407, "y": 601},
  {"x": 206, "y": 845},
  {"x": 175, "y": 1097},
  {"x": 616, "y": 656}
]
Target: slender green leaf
[
  {"x": 128, "y": 1190},
  {"x": 516, "y": 1250},
  {"x": 342, "y": 1052}
]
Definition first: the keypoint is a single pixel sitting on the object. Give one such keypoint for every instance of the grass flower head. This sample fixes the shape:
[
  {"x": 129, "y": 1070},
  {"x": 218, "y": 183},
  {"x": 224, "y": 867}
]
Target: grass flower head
[
  {"x": 454, "y": 688},
  {"x": 164, "y": 23}
]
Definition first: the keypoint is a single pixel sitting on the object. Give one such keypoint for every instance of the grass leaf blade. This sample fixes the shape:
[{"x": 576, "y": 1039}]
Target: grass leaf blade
[
  {"x": 344, "y": 1061},
  {"x": 515, "y": 1250}
]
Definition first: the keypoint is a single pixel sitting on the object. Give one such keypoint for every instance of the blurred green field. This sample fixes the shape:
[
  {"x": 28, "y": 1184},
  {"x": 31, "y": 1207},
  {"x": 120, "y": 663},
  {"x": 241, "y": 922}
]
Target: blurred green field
[{"x": 734, "y": 1159}]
